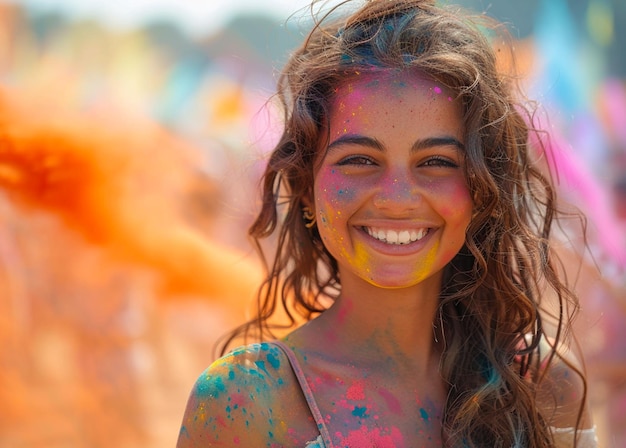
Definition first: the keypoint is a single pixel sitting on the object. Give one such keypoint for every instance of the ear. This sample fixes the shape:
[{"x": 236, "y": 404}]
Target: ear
[{"x": 306, "y": 201}]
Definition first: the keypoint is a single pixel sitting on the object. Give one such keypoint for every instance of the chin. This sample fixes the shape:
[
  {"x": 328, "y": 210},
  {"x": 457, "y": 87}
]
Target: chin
[
  {"x": 387, "y": 283},
  {"x": 405, "y": 280}
]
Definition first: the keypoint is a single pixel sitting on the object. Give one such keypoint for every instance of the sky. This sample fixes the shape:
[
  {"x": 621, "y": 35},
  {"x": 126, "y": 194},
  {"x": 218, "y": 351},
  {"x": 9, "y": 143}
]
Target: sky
[{"x": 196, "y": 16}]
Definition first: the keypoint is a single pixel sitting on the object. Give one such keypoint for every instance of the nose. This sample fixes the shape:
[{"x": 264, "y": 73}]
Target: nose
[{"x": 397, "y": 191}]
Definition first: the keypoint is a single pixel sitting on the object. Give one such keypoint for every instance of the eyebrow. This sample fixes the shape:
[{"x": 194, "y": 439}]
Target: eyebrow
[{"x": 361, "y": 140}]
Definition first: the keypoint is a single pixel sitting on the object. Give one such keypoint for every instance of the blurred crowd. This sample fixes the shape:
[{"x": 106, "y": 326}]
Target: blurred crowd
[{"x": 128, "y": 169}]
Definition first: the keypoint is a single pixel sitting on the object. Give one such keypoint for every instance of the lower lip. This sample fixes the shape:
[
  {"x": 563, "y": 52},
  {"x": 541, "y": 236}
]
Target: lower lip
[{"x": 397, "y": 249}]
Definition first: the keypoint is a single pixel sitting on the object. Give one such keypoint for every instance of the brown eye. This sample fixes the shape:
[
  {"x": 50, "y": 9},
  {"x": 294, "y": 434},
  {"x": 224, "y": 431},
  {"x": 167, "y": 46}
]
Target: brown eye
[
  {"x": 356, "y": 160},
  {"x": 440, "y": 162}
]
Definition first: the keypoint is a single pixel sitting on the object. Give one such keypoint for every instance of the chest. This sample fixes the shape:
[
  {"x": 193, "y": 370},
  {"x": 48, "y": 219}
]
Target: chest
[
  {"x": 369, "y": 413},
  {"x": 362, "y": 407}
]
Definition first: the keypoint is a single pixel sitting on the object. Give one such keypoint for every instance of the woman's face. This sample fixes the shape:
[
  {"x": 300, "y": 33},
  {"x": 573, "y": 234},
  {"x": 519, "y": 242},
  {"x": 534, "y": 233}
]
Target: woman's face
[{"x": 390, "y": 194}]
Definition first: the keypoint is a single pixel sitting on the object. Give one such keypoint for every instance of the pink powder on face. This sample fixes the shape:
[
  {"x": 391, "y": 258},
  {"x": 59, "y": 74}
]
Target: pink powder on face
[{"x": 437, "y": 90}]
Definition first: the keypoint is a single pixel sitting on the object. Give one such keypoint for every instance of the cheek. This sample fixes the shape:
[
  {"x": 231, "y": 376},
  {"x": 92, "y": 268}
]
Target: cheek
[
  {"x": 333, "y": 195},
  {"x": 336, "y": 196},
  {"x": 456, "y": 206},
  {"x": 461, "y": 195}
]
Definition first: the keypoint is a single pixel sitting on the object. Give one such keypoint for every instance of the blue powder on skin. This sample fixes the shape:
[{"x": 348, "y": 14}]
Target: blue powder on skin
[
  {"x": 360, "y": 411},
  {"x": 261, "y": 366},
  {"x": 210, "y": 387},
  {"x": 273, "y": 360}
]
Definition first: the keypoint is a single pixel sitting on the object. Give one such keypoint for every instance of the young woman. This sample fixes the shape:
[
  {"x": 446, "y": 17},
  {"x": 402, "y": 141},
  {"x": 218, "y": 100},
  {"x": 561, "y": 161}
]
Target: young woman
[{"x": 413, "y": 237}]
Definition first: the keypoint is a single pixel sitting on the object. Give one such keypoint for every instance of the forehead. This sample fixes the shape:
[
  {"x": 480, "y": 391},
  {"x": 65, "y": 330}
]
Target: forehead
[
  {"x": 380, "y": 100},
  {"x": 389, "y": 82}
]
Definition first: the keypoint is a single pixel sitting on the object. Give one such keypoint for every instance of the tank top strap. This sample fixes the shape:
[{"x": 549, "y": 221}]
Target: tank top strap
[{"x": 308, "y": 393}]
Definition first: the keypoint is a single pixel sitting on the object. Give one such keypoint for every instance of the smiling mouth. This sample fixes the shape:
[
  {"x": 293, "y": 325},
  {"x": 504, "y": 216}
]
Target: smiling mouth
[{"x": 399, "y": 237}]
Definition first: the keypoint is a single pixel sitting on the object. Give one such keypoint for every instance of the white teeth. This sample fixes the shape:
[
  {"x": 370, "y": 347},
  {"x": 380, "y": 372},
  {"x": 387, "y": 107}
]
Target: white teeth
[{"x": 397, "y": 237}]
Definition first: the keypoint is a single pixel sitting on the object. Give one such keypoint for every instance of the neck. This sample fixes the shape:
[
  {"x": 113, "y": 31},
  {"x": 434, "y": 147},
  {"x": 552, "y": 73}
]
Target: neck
[{"x": 394, "y": 324}]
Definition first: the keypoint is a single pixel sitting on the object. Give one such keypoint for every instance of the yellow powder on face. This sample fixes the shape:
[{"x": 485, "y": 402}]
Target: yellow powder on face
[
  {"x": 361, "y": 257},
  {"x": 422, "y": 270},
  {"x": 362, "y": 260}
]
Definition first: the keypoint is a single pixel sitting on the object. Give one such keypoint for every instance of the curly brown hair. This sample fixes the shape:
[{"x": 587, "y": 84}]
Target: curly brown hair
[{"x": 491, "y": 294}]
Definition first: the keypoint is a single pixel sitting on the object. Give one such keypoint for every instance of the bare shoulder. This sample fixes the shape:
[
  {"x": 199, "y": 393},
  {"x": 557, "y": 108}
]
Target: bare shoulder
[{"x": 235, "y": 401}]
